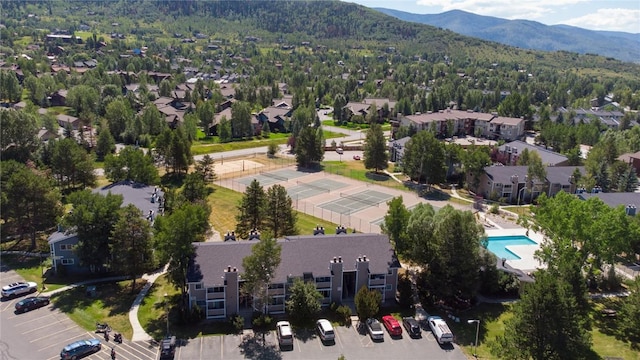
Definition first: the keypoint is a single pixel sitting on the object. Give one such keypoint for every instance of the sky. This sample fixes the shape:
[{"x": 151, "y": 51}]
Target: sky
[{"x": 610, "y": 15}]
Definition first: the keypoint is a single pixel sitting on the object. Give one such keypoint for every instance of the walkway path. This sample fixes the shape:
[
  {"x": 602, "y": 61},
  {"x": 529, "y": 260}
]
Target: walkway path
[{"x": 138, "y": 332}]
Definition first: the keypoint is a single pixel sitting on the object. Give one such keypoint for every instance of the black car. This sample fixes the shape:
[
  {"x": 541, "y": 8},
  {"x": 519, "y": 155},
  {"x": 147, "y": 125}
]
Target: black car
[
  {"x": 32, "y": 302},
  {"x": 412, "y": 327},
  {"x": 168, "y": 348}
]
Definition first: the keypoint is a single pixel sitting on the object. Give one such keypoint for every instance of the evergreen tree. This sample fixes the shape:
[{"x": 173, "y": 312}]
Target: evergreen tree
[
  {"x": 279, "y": 215},
  {"x": 205, "y": 168},
  {"x": 544, "y": 325},
  {"x": 375, "y": 149},
  {"x": 308, "y": 147},
  {"x": 224, "y": 130},
  {"x": 251, "y": 210},
  {"x": 106, "y": 144}
]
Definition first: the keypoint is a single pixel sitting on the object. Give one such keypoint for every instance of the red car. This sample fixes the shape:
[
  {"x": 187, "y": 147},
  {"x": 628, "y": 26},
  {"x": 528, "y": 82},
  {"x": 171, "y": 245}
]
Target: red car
[
  {"x": 356, "y": 157},
  {"x": 392, "y": 325}
]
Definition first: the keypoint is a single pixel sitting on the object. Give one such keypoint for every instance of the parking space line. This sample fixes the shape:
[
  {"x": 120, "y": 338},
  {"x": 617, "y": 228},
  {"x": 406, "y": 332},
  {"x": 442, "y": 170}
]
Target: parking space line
[
  {"x": 68, "y": 341},
  {"x": 39, "y": 318},
  {"x": 9, "y": 304},
  {"x": 120, "y": 349},
  {"x": 48, "y": 335},
  {"x": 201, "y": 345},
  {"x": 40, "y": 328},
  {"x": 339, "y": 340},
  {"x": 222, "y": 347}
]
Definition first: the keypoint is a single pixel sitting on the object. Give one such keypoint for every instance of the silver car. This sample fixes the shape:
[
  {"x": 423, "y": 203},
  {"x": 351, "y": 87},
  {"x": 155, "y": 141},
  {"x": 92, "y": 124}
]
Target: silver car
[
  {"x": 19, "y": 288},
  {"x": 374, "y": 328}
]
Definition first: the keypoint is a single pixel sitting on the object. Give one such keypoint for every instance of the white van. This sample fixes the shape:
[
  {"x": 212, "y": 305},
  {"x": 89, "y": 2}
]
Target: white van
[
  {"x": 284, "y": 333},
  {"x": 325, "y": 330},
  {"x": 440, "y": 330}
]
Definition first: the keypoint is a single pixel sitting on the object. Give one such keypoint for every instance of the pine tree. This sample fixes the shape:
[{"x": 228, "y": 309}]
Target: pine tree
[
  {"x": 375, "y": 149},
  {"x": 251, "y": 209},
  {"x": 280, "y": 218}
]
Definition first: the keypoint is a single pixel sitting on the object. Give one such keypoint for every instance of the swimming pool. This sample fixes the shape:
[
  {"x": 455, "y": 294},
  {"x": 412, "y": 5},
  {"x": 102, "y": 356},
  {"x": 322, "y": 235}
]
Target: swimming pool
[{"x": 498, "y": 245}]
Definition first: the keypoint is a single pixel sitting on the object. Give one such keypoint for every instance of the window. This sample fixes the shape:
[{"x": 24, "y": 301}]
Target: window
[
  {"x": 388, "y": 287},
  {"x": 201, "y": 303},
  {"x": 216, "y": 289},
  {"x": 277, "y": 300},
  {"x": 66, "y": 247},
  {"x": 199, "y": 286},
  {"x": 390, "y": 272},
  {"x": 325, "y": 292},
  {"x": 214, "y": 305},
  {"x": 67, "y": 261},
  {"x": 376, "y": 277},
  {"x": 323, "y": 279},
  {"x": 276, "y": 286}
]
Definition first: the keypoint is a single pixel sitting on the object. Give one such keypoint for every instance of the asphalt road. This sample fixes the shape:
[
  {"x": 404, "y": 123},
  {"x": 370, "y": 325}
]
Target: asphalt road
[{"x": 42, "y": 333}]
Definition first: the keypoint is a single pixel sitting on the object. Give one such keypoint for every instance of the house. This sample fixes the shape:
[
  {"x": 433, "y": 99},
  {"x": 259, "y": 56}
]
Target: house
[
  {"x": 217, "y": 118},
  {"x": 66, "y": 121},
  {"x": 630, "y": 201},
  {"x": 58, "y": 98},
  {"x": 512, "y": 183},
  {"x": 457, "y": 122},
  {"x": 339, "y": 265},
  {"x": 506, "y": 128},
  {"x": 46, "y": 135},
  {"x": 275, "y": 117},
  {"x": 509, "y": 153},
  {"x": 62, "y": 243},
  {"x": 633, "y": 159},
  {"x": 396, "y": 149}
]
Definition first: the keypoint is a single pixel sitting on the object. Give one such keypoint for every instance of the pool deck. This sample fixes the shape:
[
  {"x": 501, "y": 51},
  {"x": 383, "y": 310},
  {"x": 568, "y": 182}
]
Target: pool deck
[{"x": 527, "y": 262}]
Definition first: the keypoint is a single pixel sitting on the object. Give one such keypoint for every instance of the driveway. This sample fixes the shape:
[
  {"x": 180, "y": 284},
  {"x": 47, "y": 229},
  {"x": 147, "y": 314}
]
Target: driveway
[{"x": 42, "y": 333}]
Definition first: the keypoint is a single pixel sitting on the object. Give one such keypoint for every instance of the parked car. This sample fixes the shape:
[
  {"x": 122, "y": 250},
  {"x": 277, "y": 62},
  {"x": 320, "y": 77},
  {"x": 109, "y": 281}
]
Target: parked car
[
  {"x": 325, "y": 330},
  {"x": 374, "y": 328},
  {"x": 80, "y": 348},
  {"x": 32, "y": 302},
  {"x": 19, "y": 288},
  {"x": 340, "y": 151},
  {"x": 356, "y": 157},
  {"x": 440, "y": 329},
  {"x": 284, "y": 333},
  {"x": 392, "y": 325},
  {"x": 412, "y": 327},
  {"x": 168, "y": 348}
]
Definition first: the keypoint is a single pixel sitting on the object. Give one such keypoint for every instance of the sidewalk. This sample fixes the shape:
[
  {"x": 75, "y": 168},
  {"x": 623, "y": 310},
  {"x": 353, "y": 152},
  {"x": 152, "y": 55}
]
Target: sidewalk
[{"x": 138, "y": 332}]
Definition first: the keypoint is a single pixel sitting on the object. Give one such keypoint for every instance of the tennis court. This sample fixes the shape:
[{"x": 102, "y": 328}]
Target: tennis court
[
  {"x": 305, "y": 190},
  {"x": 352, "y": 203},
  {"x": 269, "y": 178}
]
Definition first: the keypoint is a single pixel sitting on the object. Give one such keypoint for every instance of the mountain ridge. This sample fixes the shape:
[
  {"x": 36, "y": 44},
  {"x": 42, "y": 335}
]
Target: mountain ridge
[{"x": 529, "y": 34}]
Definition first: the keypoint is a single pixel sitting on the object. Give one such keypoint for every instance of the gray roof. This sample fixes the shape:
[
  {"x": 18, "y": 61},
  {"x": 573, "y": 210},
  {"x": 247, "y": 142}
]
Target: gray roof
[
  {"x": 60, "y": 236},
  {"x": 133, "y": 193},
  {"x": 561, "y": 174},
  {"x": 300, "y": 254},
  {"x": 548, "y": 157},
  {"x": 615, "y": 199}
]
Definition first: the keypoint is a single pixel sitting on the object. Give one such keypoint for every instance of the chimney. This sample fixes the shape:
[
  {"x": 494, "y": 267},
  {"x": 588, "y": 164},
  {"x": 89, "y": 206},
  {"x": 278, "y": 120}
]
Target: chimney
[
  {"x": 364, "y": 258},
  {"x": 335, "y": 259},
  {"x": 229, "y": 268},
  {"x": 339, "y": 258},
  {"x": 235, "y": 269}
]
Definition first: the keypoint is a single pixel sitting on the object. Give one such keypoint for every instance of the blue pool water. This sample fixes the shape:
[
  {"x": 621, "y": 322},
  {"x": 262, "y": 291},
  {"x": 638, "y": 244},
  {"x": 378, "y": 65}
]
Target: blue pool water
[{"x": 498, "y": 244}]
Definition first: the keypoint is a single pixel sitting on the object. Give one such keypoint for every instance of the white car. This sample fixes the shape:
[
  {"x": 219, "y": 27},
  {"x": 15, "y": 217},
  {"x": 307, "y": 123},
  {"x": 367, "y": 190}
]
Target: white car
[
  {"x": 19, "y": 288},
  {"x": 325, "y": 330},
  {"x": 374, "y": 327},
  {"x": 284, "y": 333}
]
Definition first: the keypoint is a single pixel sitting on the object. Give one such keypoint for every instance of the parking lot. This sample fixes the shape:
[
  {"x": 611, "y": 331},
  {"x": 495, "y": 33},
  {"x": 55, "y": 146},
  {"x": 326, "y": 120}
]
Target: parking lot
[
  {"x": 42, "y": 333},
  {"x": 349, "y": 342}
]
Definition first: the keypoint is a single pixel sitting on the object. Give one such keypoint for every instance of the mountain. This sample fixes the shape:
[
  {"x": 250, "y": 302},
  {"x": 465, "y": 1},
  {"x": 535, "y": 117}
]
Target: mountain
[{"x": 531, "y": 34}]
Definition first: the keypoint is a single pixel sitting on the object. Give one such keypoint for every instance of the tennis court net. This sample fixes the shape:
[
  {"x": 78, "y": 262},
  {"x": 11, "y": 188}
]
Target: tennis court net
[
  {"x": 360, "y": 200},
  {"x": 274, "y": 176},
  {"x": 315, "y": 187}
]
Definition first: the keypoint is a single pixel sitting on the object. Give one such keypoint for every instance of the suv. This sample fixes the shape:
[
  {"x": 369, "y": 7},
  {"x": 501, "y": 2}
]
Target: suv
[
  {"x": 284, "y": 333},
  {"x": 325, "y": 329},
  {"x": 392, "y": 325},
  {"x": 412, "y": 327},
  {"x": 80, "y": 348},
  {"x": 19, "y": 288},
  {"x": 168, "y": 348}
]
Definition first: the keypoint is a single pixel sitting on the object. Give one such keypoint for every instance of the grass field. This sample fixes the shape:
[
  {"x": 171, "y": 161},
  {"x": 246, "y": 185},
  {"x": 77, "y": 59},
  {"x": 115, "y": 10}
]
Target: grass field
[
  {"x": 356, "y": 170},
  {"x": 224, "y": 203},
  {"x": 111, "y": 305}
]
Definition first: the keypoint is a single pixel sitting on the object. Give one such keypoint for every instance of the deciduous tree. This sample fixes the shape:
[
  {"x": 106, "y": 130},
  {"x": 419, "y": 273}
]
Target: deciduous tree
[
  {"x": 259, "y": 269},
  {"x": 424, "y": 158},
  {"x": 130, "y": 244},
  {"x": 367, "y": 303},
  {"x": 18, "y": 131},
  {"x": 395, "y": 225},
  {"x": 304, "y": 301}
]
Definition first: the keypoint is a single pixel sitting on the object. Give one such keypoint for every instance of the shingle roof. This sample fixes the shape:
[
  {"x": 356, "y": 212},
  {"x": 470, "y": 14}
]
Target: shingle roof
[
  {"x": 615, "y": 199},
  {"x": 133, "y": 193},
  {"x": 300, "y": 254},
  {"x": 548, "y": 157}
]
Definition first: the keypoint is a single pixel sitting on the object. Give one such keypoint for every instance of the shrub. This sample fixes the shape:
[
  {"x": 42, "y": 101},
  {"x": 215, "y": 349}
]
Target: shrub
[
  {"x": 405, "y": 292},
  {"x": 237, "y": 323},
  {"x": 261, "y": 321},
  {"x": 494, "y": 209},
  {"x": 344, "y": 314}
]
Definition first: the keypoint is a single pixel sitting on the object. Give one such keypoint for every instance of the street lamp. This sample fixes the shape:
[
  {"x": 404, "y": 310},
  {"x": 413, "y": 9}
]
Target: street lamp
[
  {"x": 475, "y": 346},
  {"x": 166, "y": 304}
]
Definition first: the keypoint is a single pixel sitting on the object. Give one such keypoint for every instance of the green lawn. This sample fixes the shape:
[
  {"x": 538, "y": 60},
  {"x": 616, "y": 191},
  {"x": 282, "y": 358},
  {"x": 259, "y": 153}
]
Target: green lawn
[
  {"x": 224, "y": 204},
  {"x": 32, "y": 268},
  {"x": 111, "y": 305},
  {"x": 355, "y": 170}
]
